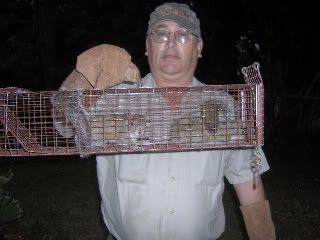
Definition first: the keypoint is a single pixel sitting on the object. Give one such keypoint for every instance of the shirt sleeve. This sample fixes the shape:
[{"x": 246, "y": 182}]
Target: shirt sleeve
[{"x": 238, "y": 161}]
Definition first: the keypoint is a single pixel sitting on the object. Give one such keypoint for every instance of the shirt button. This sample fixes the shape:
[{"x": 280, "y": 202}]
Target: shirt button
[
  {"x": 172, "y": 179},
  {"x": 171, "y": 211}
]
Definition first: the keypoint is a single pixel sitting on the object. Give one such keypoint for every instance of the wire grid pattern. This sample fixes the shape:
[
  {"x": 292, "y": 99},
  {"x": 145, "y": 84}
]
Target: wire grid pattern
[{"x": 130, "y": 120}]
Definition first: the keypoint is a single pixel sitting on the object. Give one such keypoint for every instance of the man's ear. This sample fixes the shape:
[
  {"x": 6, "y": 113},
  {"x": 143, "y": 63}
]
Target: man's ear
[
  {"x": 147, "y": 46},
  {"x": 199, "y": 47}
]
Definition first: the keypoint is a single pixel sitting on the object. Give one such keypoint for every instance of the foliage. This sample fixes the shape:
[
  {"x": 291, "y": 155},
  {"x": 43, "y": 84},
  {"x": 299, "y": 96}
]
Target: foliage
[{"x": 10, "y": 209}]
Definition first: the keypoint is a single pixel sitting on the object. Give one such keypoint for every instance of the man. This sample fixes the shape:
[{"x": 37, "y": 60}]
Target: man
[{"x": 178, "y": 196}]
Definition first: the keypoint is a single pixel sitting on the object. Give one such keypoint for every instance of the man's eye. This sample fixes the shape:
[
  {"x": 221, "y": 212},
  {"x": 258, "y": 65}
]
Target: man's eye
[
  {"x": 182, "y": 34},
  {"x": 161, "y": 34}
]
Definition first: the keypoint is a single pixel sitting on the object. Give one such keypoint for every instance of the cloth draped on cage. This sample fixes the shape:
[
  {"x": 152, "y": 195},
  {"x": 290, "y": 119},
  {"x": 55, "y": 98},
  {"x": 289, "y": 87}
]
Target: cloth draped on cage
[{"x": 99, "y": 67}]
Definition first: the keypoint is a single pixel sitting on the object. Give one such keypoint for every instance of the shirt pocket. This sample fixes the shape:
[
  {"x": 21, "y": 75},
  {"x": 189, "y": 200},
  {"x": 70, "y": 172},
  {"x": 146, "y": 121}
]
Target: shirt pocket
[
  {"x": 206, "y": 169},
  {"x": 132, "y": 168}
]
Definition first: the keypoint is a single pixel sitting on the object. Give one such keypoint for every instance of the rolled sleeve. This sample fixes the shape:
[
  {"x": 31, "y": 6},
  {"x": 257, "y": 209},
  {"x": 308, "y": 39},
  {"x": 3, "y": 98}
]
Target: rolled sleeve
[{"x": 237, "y": 164}]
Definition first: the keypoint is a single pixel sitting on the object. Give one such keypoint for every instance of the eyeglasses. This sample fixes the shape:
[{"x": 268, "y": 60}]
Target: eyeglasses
[{"x": 162, "y": 36}]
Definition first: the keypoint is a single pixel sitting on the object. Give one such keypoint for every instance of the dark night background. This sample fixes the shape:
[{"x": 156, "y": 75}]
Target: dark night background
[{"x": 40, "y": 41}]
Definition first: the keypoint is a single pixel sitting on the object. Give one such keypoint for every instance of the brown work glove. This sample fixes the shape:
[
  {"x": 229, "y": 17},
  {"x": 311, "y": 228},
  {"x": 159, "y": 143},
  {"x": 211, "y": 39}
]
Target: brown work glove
[
  {"x": 258, "y": 221},
  {"x": 101, "y": 67}
]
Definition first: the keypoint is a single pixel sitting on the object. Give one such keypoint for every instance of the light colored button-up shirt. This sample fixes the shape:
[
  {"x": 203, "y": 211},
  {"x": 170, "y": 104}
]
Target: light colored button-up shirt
[{"x": 174, "y": 195}]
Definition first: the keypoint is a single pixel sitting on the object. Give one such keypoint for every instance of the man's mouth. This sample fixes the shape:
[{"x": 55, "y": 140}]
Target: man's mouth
[{"x": 170, "y": 57}]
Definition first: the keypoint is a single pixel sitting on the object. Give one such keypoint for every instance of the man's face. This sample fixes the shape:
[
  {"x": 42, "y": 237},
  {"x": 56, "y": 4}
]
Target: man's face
[{"x": 173, "y": 60}]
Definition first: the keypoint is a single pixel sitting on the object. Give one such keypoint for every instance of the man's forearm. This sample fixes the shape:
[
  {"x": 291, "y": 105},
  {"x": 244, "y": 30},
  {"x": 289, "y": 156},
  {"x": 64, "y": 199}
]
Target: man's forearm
[
  {"x": 255, "y": 210},
  {"x": 258, "y": 221}
]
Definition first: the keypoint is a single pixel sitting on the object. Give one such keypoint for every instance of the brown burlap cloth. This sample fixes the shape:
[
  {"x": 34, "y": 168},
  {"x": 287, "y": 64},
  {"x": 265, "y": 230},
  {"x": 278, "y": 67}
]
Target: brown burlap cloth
[{"x": 101, "y": 67}]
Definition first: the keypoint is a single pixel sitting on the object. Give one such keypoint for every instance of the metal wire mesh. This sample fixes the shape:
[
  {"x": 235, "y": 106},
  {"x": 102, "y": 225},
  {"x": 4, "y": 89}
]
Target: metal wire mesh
[{"x": 130, "y": 120}]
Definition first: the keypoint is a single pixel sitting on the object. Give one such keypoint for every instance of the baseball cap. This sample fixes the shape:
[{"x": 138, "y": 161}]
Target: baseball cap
[{"x": 178, "y": 12}]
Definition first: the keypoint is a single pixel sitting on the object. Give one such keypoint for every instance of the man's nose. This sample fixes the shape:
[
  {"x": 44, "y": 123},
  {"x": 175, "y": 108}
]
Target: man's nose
[{"x": 171, "y": 40}]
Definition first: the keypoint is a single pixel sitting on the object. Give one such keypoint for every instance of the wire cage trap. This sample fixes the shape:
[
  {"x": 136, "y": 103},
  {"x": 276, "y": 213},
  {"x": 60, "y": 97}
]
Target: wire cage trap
[{"x": 132, "y": 120}]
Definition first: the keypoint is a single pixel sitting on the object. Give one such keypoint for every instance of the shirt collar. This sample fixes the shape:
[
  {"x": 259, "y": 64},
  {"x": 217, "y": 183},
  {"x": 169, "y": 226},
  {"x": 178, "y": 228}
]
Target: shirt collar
[{"x": 149, "y": 82}]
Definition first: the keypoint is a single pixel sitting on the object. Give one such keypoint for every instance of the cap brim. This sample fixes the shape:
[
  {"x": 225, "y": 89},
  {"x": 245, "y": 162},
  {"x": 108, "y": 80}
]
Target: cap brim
[{"x": 181, "y": 21}]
